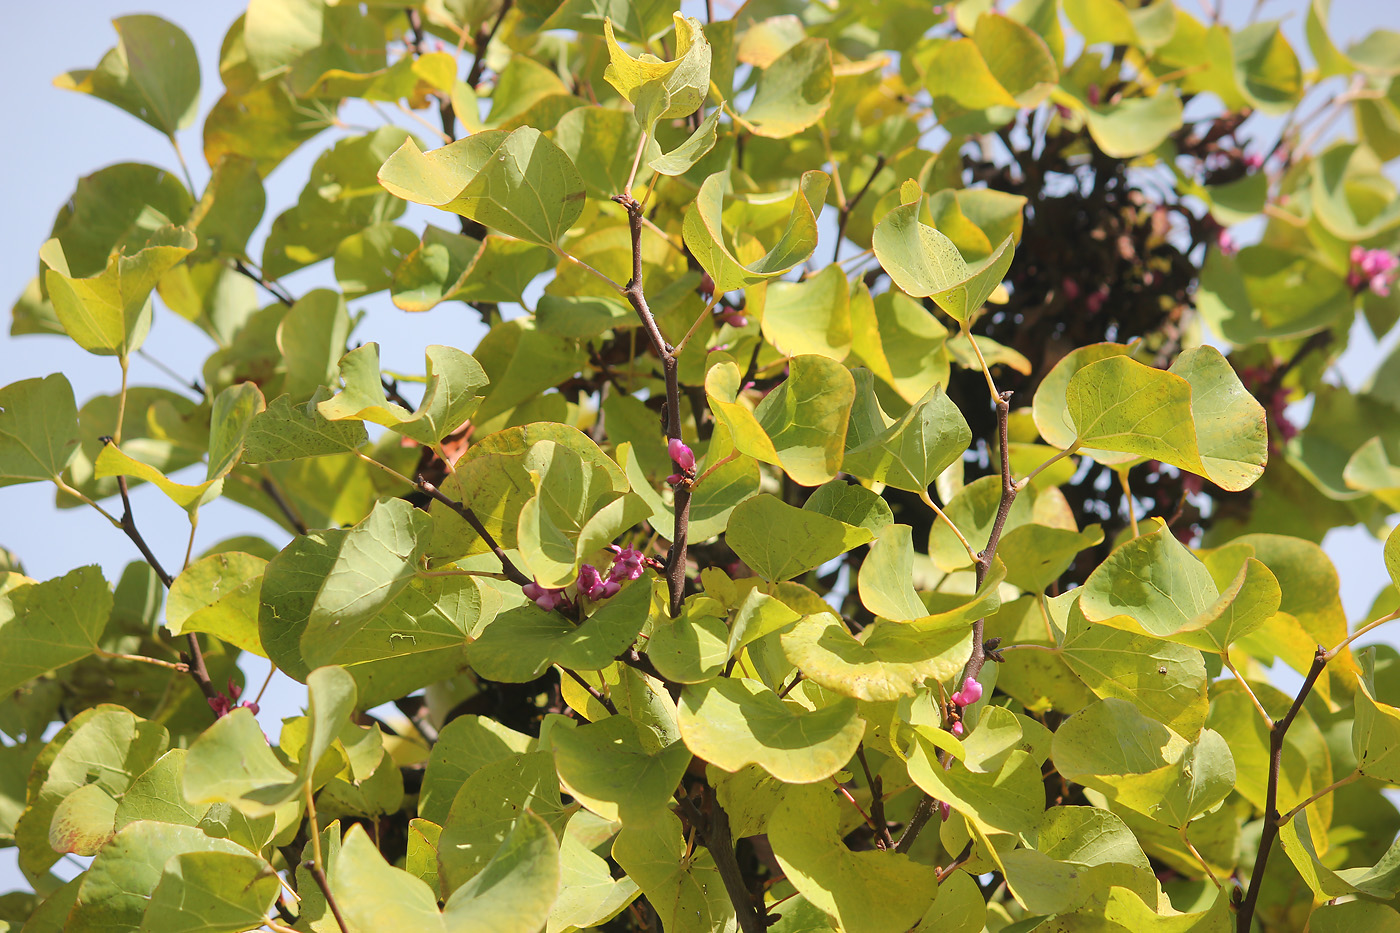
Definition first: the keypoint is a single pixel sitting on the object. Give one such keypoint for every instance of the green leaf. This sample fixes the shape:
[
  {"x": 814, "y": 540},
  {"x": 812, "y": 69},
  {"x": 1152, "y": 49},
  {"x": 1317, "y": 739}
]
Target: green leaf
[
  {"x": 38, "y": 429},
  {"x": 108, "y": 313},
  {"x": 1155, "y": 580},
  {"x": 1163, "y": 680},
  {"x": 515, "y": 891},
  {"x": 601, "y": 142},
  {"x": 1019, "y": 59},
  {"x": 615, "y": 768},
  {"x": 1197, "y": 416},
  {"x": 692, "y": 648},
  {"x": 875, "y": 891},
  {"x": 211, "y": 892},
  {"x": 464, "y": 745},
  {"x": 886, "y": 579},
  {"x": 116, "y": 890},
  {"x": 340, "y": 199},
  {"x": 811, "y": 316},
  {"x": 451, "y": 396},
  {"x": 520, "y": 644},
  {"x": 230, "y": 209},
  {"x": 522, "y": 361},
  {"x": 999, "y": 792},
  {"x": 704, "y": 233},
  {"x": 1036, "y": 555},
  {"x": 1134, "y": 126},
  {"x": 1267, "y": 68},
  {"x": 696, "y": 146},
  {"x": 365, "y": 262},
  {"x": 908, "y": 453},
  {"x": 732, "y": 722},
  {"x": 886, "y": 661},
  {"x": 448, "y": 266},
  {"x": 780, "y": 541},
  {"x": 520, "y": 183},
  {"x": 805, "y": 418},
  {"x": 588, "y": 894},
  {"x": 660, "y": 90},
  {"x": 488, "y": 809},
  {"x": 218, "y": 595},
  {"x": 758, "y": 615},
  {"x": 925, "y": 263},
  {"x": 1375, "y": 733},
  {"x": 850, "y": 503},
  {"x": 684, "y": 886},
  {"x": 263, "y": 123},
  {"x": 152, "y": 74},
  {"x": 793, "y": 92},
  {"x": 352, "y": 597},
  {"x": 52, "y": 624},
  {"x": 117, "y": 210},
  {"x": 287, "y": 431}
]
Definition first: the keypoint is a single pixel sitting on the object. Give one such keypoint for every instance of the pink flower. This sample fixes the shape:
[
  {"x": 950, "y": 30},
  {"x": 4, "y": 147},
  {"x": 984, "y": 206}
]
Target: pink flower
[
  {"x": 1372, "y": 269},
  {"x": 628, "y": 565},
  {"x": 958, "y": 728},
  {"x": 706, "y": 286},
  {"x": 223, "y": 704},
  {"x": 592, "y": 584},
  {"x": 1227, "y": 243},
  {"x": 682, "y": 455},
  {"x": 734, "y": 318},
  {"x": 1253, "y": 160},
  {"x": 1093, "y": 94},
  {"x": 944, "y": 810},
  {"x": 1070, "y": 288},
  {"x": 545, "y": 598},
  {"x": 970, "y": 693},
  {"x": 1095, "y": 302}
]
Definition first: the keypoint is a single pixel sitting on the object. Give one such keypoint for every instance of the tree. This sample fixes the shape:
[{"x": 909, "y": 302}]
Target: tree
[{"x": 885, "y": 517}]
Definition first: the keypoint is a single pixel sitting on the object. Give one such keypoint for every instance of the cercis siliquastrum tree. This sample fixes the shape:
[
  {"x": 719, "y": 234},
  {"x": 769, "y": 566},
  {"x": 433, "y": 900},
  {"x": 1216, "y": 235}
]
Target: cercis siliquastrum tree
[{"x": 872, "y": 505}]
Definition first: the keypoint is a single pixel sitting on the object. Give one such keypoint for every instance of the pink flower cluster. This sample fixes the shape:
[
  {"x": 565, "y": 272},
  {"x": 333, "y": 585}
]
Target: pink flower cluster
[
  {"x": 627, "y": 565},
  {"x": 970, "y": 693},
  {"x": 223, "y": 704},
  {"x": 1372, "y": 269}
]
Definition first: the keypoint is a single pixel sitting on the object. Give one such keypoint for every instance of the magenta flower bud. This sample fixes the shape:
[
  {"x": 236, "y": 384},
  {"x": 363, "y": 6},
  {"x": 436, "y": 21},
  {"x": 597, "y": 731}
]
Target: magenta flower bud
[
  {"x": 627, "y": 566},
  {"x": 673, "y": 479},
  {"x": 970, "y": 693},
  {"x": 958, "y": 728},
  {"x": 706, "y": 286},
  {"x": 735, "y": 319},
  {"x": 1253, "y": 160},
  {"x": 683, "y": 456},
  {"x": 234, "y": 691},
  {"x": 1093, "y": 94},
  {"x": 546, "y": 599},
  {"x": 252, "y": 707},
  {"x": 1358, "y": 253},
  {"x": 944, "y": 810},
  {"x": 1380, "y": 284},
  {"x": 220, "y": 705},
  {"x": 1227, "y": 243},
  {"x": 1070, "y": 288}
]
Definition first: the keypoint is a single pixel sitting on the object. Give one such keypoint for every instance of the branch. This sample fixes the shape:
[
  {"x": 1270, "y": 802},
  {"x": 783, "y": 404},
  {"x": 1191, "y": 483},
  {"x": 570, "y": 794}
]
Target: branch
[
  {"x": 194, "y": 659},
  {"x": 273, "y": 290},
  {"x": 670, "y": 366},
  {"x": 482, "y": 40},
  {"x": 288, "y": 511},
  {"x": 1245, "y": 916},
  {"x": 512, "y": 572},
  {"x": 851, "y": 205},
  {"x": 877, "y": 802},
  {"x": 592, "y": 690},
  {"x": 714, "y": 833}
]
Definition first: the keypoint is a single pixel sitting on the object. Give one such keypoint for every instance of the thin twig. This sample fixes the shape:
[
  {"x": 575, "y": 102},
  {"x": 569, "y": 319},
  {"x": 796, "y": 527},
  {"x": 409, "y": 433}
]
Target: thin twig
[
  {"x": 1374, "y": 623},
  {"x": 1245, "y": 916},
  {"x": 592, "y": 691},
  {"x": 1343, "y": 782},
  {"x": 482, "y": 40},
  {"x": 118, "y": 656},
  {"x": 512, "y": 572},
  {"x": 194, "y": 660},
  {"x": 274, "y": 492},
  {"x": 273, "y": 290},
  {"x": 851, "y": 205},
  {"x": 313, "y": 865},
  {"x": 962, "y": 538},
  {"x": 877, "y": 802}
]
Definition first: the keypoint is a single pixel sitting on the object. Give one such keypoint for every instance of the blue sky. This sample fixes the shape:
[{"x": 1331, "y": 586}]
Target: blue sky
[{"x": 60, "y": 136}]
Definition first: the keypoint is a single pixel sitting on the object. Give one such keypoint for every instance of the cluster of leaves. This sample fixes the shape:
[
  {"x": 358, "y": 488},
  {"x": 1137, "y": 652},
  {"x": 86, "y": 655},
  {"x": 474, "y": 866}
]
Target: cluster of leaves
[{"x": 724, "y": 588}]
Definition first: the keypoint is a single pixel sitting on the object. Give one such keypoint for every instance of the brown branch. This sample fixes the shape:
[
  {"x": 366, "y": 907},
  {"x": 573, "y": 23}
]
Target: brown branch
[
  {"x": 273, "y": 290},
  {"x": 194, "y": 658},
  {"x": 325, "y": 887},
  {"x": 670, "y": 366},
  {"x": 983, "y": 565},
  {"x": 1245, "y": 916},
  {"x": 482, "y": 40},
  {"x": 512, "y": 572},
  {"x": 713, "y": 829},
  {"x": 592, "y": 691},
  {"x": 877, "y": 802},
  {"x": 274, "y": 492},
  {"x": 845, "y": 214}
]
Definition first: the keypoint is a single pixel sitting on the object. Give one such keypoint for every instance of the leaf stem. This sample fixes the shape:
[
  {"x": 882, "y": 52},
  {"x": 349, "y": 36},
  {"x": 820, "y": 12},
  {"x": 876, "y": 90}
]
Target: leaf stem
[
  {"x": 1024, "y": 481},
  {"x": 587, "y": 268},
  {"x": 1253, "y": 698},
  {"x": 1197, "y": 856},
  {"x": 709, "y": 307},
  {"x": 125, "y": 362},
  {"x": 1128, "y": 500},
  {"x": 986, "y": 371},
  {"x": 118, "y": 656},
  {"x": 314, "y": 865},
  {"x": 1374, "y": 623},
  {"x": 928, "y": 501},
  {"x": 1343, "y": 782},
  {"x": 636, "y": 164}
]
